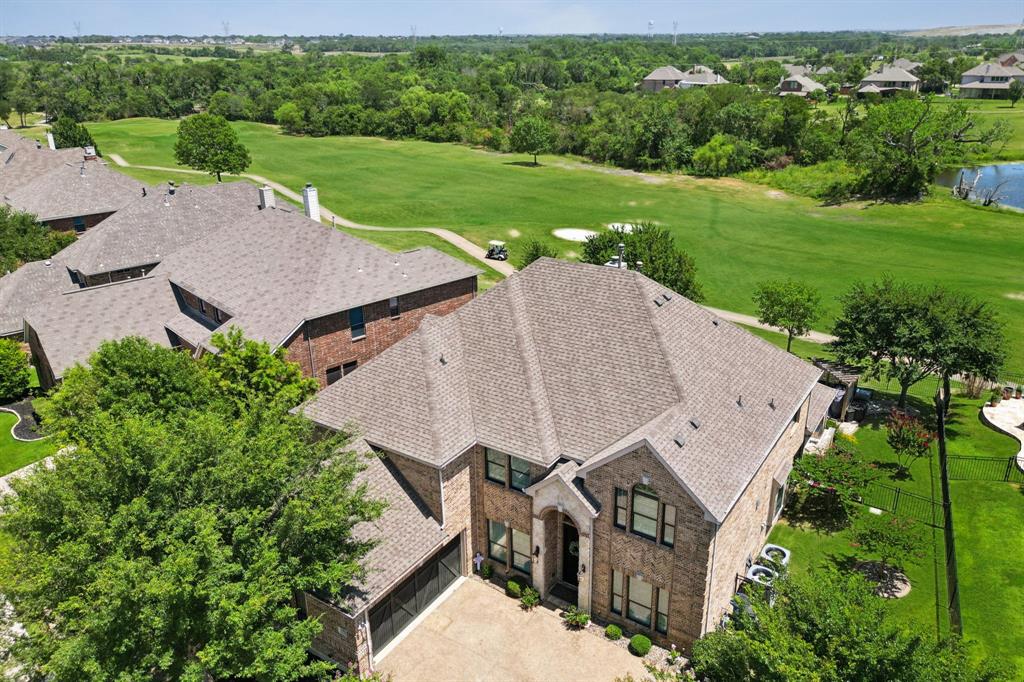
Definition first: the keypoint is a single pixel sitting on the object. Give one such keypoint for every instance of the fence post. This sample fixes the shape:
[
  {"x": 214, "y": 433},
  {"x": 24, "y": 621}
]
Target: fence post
[
  {"x": 952, "y": 583},
  {"x": 1010, "y": 463}
]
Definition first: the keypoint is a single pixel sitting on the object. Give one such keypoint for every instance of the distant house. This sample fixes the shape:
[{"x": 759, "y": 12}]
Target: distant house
[
  {"x": 700, "y": 76},
  {"x": 800, "y": 86},
  {"x": 796, "y": 69},
  {"x": 1011, "y": 58},
  {"x": 661, "y": 78},
  {"x": 989, "y": 80},
  {"x": 889, "y": 79},
  {"x": 907, "y": 65},
  {"x": 824, "y": 70}
]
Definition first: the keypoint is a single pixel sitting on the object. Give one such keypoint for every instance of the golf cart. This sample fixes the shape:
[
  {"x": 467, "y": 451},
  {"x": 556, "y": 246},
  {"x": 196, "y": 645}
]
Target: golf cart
[{"x": 497, "y": 250}]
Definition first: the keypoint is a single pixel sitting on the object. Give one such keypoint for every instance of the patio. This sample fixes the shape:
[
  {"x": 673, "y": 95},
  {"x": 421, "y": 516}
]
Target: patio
[
  {"x": 1008, "y": 417},
  {"x": 478, "y": 633}
]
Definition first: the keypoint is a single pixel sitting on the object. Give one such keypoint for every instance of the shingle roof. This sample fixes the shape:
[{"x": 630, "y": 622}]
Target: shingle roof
[
  {"x": 821, "y": 399},
  {"x": 664, "y": 73},
  {"x": 796, "y": 69},
  {"x": 158, "y": 224},
  {"x": 702, "y": 75},
  {"x": 890, "y": 73},
  {"x": 905, "y": 64},
  {"x": 26, "y": 286},
  {"x": 22, "y": 160},
  {"x": 568, "y": 360},
  {"x": 994, "y": 69},
  {"x": 74, "y": 189},
  {"x": 807, "y": 84}
]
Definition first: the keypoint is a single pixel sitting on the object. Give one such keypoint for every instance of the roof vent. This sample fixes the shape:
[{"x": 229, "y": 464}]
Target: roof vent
[
  {"x": 443, "y": 361},
  {"x": 715, "y": 321},
  {"x": 47, "y": 262},
  {"x": 771, "y": 403},
  {"x": 694, "y": 422},
  {"x": 666, "y": 296},
  {"x": 739, "y": 401},
  {"x": 171, "y": 189},
  {"x": 657, "y": 302},
  {"x": 680, "y": 439}
]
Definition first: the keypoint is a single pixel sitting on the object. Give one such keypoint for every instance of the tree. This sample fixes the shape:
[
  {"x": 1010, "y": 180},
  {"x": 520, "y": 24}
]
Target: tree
[
  {"x": 722, "y": 155},
  {"x": 69, "y": 133},
  {"x": 829, "y": 485},
  {"x": 247, "y": 371},
  {"x": 830, "y": 627},
  {"x": 535, "y": 249},
  {"x": 14, "y": 372},
  {"x": 170, "y": 541},
  {"x": 892, "y": 539},
  {"x": 903, "y": 143},
  {"x": 24, "y": 239},
  {"x": 654, "y": 247},
  {"x": 209, "y": 143},
  {"x": 290, "y": 118},
  {"x": 1015, "y": 92},
  {"x": 908, "y": 438},
  {"x": 886, "y": 325},
  {"x": 789, "y": 305},
  {"x": 531, "y": 135}
]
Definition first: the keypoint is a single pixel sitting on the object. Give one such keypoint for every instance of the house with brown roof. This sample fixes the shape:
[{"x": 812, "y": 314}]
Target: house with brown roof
[
  {"x": 989, "y": 80},
  {"x": 582, "y": 429},
  {"x": 331, "y": 300},
  {"x": 889, "y": 80},
  {"x": 1011, "y": 59},
  {"x": 671, "y": 77},
  {"x": 799, "y": 86},
  {"x": 67, "y": 189}
]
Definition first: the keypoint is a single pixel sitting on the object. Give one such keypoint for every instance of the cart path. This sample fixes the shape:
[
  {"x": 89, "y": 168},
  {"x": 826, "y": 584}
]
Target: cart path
[{"x": 457, "y": 240}]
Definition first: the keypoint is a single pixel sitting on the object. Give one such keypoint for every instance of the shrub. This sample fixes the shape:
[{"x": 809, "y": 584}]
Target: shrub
[
  {"x": 640, "y": 645},
  {"x": 513, "y": 588},
  {"x": 613, "y": 632},
  {"x": 530, "y": 598},
  {"x": 14, "y": 374},
  {"x": 486, "y": 571},
  {"x": 575, "y": 618}
]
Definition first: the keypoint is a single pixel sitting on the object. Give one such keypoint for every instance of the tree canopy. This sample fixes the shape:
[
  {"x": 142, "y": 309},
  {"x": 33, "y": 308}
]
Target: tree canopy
[
  {"x": 531, "y": 135},
  {"x": 208, "y": 143},
  {"x": 789, "y": 305},
  {"x": 654, "y": 247},
  {"x": 69, "y": 133},
  {"x": 14, "y": 372},
  {"x": 24, "y": 239},
  {"x": 169, "y": 542}
]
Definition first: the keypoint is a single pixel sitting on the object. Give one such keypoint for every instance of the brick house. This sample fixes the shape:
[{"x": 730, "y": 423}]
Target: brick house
[
  {"x": 888, "y": 80},
  {"x": 581, "y": 428},
  {"x": 991, "y": 80},
  {"x": 332, "y": 300},
  {"x": 799, "y": 85}
]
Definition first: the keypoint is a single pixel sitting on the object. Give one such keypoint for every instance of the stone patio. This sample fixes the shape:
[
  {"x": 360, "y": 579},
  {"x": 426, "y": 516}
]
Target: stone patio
[
  {"x": 1008, "y": 417},
  {"x": 479, "y": 634}
]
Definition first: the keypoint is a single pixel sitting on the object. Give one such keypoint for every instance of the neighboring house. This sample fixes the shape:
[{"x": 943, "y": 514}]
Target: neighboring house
[
  {"x": 907, "y": 65},
  {"x": 797, "y": 69},
  {"x": 989, "y": 80},
  {"x": 331, "y": 300},
  {"x": 888, "y": 80},
  {"x": 582, "y": 428},
  {"x": 661, "y": 78},
  {"x": 801, "y": 86},
  {"x": 67, "y": 189},
  {"x": 700, "y": 76},
  {"x": 1011, "y": 59},
  {"x": 824, "y": 70}
]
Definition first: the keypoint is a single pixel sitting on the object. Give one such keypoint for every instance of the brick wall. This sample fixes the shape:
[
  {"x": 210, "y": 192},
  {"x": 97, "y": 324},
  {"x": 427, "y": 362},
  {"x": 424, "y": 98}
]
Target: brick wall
[
  {"x": 192, "y": 301},
  {"x": 116, "y": 275},
  {"x": 458, "y": 504},
  {"x": 680, "y": 569},
  {"x": 326, "y": 342},
  {"x": 340, "y": 640},
  {"x": 745, "y": 529},
  {"x": 424, "y": 479},
  {"x": 68, "y": 224}
]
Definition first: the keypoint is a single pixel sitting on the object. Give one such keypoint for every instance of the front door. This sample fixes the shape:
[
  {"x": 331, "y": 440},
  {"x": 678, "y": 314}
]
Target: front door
[{"x": 570, "y": 553}]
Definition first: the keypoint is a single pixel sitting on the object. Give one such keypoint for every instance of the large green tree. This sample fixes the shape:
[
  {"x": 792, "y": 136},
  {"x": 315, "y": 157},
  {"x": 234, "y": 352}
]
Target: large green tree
[
  {"x": 655, "y": 249},
  {"x": 169, "y": 542},
  {"x": 14, "y": 372},
  {"x": 24, "y": 239},
  {"x": 67, "y": 132},
  {"x": 789, "y": 305},
  {"x": 208, "y": 143},
  {"x": 831, "y": 627},
  {"x": 531, "y": 135}
]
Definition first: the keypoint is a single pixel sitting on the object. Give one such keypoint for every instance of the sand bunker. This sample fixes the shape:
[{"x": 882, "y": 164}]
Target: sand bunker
[{"x": 573, "y": 234}]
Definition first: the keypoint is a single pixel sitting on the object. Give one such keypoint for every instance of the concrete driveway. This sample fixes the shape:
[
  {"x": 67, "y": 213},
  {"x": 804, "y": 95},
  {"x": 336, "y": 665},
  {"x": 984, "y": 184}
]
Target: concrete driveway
[{"x": 478, "y": 633}]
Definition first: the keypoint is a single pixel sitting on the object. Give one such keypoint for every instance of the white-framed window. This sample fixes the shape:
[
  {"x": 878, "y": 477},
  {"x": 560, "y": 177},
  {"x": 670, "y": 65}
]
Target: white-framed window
[{"x": 521, "y": 550}]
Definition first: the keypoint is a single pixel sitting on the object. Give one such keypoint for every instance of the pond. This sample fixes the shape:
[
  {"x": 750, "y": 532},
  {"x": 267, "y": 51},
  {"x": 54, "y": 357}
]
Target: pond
[{"x": 1011, "y": 175}]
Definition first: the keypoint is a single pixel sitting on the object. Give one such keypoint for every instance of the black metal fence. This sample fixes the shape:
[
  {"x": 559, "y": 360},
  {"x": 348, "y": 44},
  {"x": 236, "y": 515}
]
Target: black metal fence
[
  {"x": 904, "y": 503},
  {"x": 964, "y": 468}
]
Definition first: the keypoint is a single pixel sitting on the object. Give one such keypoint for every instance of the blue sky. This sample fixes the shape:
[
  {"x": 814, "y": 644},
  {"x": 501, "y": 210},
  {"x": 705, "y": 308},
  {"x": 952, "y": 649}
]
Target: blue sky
[{"x": 388, "y": 17}]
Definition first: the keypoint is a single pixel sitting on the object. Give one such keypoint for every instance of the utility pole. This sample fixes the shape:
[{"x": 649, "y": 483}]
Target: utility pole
[
  {"x": 952, "y": 583},
  {"x": 650, "y": 29},
  {"x": 675, "y": 27},
  {"x": 412, "y": 30}
]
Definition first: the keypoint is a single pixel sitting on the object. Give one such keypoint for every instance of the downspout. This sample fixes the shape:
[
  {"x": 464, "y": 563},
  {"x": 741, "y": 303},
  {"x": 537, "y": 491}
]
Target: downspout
[
  {"x": 711, "y": 579},
  {"x": 440, "y": 487},
  {"x": 309, "y": 349}
]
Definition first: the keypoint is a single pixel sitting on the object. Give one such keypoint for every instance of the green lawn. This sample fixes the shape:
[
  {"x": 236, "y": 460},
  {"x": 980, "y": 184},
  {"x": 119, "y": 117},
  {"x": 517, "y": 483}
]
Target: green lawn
[
  {"x": 15, "y": 454},
  {"x": 739, "y": 233}
]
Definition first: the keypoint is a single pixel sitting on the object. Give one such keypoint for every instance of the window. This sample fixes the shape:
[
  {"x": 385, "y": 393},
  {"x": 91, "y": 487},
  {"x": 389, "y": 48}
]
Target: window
[
  {"x": 216, "y": 314},
  {"x": 640, "y": 600},
  {"x": 495, "y": 466},
  {"x": 796, "y": 417},
  {"x": 616, "y": 591},
  {"x": 333, "y": 374},
  {"x": 620, "y": 508},
  {"x": 79, "y": 224},
  {"x": 668, "y": 525},
  {"x": 393, "y": 306},
  {"x": 645, "y": 513},
  {"x": 661, "y": 621},
  {"x": 780, "y": 501},
  {"x": 521, "y": 550},
  {"x": 356, "y": 323},
  {"x": 498, "y": 545},
  {"x": 202, "y": 306},
  {"x": 520, "y": 473},
  {"x": 349, "y": 367}
]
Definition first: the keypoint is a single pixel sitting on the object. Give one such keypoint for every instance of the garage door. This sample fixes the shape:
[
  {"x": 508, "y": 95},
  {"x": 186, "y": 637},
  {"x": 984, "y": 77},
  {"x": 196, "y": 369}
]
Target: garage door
[{"x": 414, "y": 594}]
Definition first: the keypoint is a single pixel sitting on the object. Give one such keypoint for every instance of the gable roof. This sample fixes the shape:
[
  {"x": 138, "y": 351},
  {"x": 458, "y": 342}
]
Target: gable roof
[
  {"x": 567, "y": 360},
  {"x": 702, "y": 75},
  {"x": 26, "y": 286},
  {"x": 74, "y": 189},
  {"x": 664, "y": 73},
  {"x": 806, "y": 84},
  {"x": 906, "y": 64},
  {"x": 796, "y": 69},
  {"x": 890, "y": 73},
  {"x": 23, "y": 159},
  {"x": 990, "y": 69}
]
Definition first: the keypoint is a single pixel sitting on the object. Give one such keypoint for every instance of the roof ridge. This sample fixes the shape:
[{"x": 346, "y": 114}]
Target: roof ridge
[
  {"x": 536, "y": 387},
  {"x": 677, "y": 381},
  {"x": 426, "y": 329}
]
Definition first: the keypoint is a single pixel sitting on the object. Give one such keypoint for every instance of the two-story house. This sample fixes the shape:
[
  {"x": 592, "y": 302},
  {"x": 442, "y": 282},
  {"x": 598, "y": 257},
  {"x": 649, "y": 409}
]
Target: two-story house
[
  {"x": 582, "y": 428},
  {"x": 799, "y": 86},
  {"x": 331, "y": 300},
  {"x": 989, "y": 80},
  {"x": 889, "y": 80}
]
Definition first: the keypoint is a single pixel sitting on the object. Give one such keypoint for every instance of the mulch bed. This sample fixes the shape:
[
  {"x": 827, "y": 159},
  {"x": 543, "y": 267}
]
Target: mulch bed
[
  {"x": 891, "y": 584},
  {"x": 27, "y": 428}
]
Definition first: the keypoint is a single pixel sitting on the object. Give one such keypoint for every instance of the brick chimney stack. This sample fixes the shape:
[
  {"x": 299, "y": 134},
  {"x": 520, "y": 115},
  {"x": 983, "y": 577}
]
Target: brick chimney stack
[
  {"x": 267, "y": 199},
  {"x": 310, "y": 202},
  {"x": 50, "y": 141}
]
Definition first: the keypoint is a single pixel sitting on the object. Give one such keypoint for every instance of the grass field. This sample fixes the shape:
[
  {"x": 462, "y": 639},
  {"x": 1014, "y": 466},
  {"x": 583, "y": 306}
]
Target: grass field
[
  {"x": 15, "y": 454},
  {"x": 739, "y": 233}
]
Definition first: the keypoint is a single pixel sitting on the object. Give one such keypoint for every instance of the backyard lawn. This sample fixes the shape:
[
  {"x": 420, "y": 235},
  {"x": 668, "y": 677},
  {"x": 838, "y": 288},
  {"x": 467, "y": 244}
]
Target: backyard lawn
[
  {"x": 15, "y": 454},
  {"x": 739, "y": 233}
]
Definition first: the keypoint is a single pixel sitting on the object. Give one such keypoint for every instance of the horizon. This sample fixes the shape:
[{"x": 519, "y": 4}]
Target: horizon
[{"x": 454, "y": 18}]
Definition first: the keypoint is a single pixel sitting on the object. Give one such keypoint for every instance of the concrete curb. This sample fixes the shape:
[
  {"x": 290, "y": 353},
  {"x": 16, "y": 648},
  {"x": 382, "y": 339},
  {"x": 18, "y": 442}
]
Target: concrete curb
[{"x": 14, "y": 435}]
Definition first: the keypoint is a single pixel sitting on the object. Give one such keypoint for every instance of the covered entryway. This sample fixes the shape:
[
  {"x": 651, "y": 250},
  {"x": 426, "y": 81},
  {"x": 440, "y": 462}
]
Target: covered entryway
[{"x": 414, "y": 594}]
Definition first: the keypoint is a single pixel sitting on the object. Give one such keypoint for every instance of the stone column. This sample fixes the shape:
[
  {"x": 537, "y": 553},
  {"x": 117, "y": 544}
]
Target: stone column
[
  {"x": 586, "y": 571},
  {"x": 540, "y": 566}
]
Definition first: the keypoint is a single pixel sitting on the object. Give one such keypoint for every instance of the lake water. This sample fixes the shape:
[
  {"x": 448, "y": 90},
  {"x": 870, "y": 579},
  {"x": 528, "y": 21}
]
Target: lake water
[{"x": 1011, "y": 174}]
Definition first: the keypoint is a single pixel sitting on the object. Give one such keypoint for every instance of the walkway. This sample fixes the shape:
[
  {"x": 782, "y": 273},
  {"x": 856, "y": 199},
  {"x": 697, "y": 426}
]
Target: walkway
[
  {"x": 5, "y": 481},
  {"x": 504, "y": 267},
  {"x": 1008, "y": 417},
  {"x": 479, "y": 634}
]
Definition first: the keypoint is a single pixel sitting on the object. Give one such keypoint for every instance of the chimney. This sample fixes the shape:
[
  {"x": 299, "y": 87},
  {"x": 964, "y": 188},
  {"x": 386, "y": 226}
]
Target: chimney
[
  {"x": 170, "y": 187},
  {"x": 310, "y": 202},
  {"x": 49, "y": 141},
  {"x": 267, "y": 198},
  {"x": 90, "y": 153},
  {"x": 622, "y": 255}
]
